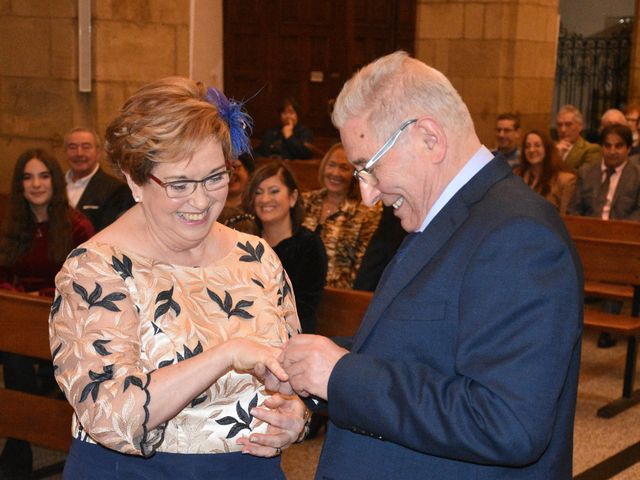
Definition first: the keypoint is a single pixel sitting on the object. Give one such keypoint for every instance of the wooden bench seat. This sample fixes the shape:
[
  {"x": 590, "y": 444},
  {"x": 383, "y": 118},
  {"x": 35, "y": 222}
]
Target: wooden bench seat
[
  {"x": 341, "y": 310},
  {"x": 37, "y": 419},
  {"x": 617, "y": 263},
  {"x": 620, "y": 230}
]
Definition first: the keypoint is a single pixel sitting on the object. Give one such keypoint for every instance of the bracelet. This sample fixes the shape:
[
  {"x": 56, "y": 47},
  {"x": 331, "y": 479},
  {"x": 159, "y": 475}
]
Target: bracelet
[{"x": 307, "y": 422}]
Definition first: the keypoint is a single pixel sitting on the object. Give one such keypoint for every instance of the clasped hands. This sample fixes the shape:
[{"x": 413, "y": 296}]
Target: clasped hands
[{"x": 302, "y": 367}]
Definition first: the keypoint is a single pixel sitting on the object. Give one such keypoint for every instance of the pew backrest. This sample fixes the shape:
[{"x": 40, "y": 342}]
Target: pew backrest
[
  {"x": 340, "y": 311},
  {"x": 40, "y": 420}
]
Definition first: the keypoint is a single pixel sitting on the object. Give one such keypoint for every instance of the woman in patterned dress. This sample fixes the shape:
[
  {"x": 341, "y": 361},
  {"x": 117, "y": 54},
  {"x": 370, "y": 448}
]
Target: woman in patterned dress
[
  {"x": 338, "y": 215},
  {"x": 165, "y": 321}
]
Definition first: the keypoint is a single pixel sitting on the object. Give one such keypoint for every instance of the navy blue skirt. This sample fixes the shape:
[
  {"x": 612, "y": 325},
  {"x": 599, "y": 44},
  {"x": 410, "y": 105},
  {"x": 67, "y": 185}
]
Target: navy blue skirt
[{"x": 95, "y": 462}]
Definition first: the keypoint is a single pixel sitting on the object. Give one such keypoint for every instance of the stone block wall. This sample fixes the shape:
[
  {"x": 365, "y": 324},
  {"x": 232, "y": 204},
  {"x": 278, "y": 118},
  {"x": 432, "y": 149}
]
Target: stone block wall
[
  {"x": 499, "y": 54},
  {"x": 133, "y": 42}
]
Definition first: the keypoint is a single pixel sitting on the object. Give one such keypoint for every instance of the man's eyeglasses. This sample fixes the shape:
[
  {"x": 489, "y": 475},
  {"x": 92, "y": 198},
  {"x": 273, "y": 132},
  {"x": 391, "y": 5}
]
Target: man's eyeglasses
[
  {"x": 184, "y": 188},
  {"x": 364, "y": 174}
]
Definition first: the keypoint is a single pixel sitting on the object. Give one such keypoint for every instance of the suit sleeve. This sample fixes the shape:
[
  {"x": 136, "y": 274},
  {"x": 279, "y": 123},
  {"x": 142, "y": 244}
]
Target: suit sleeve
[
  {"x": 576, "y": 204},
  {"x": 499, "y": 401},
  {"x": 592, "y": 155}
]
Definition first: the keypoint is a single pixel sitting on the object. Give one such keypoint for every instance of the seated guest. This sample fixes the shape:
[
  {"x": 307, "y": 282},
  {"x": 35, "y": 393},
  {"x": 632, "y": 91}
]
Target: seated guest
[
  {"x": 234, "y": 214},
  {"x": 39, "y": 231},
  {"x": 290, "y": 140},
  {"x": 273, "y": 197},
  {"x": 165, "y": 323},
  {"x": 612, "y": 116},
  {"x": 574, "y": 150},
  {"x": 507, "y": 136},
  {"x": 632, "y": 116},
  {"x": 98, "y": 195},
  {"x": 337, "y": 213},
  {"x": 382, "y": 247},
  {"x": 542, "y": 170},
  {"x": 609, "y": 189}
]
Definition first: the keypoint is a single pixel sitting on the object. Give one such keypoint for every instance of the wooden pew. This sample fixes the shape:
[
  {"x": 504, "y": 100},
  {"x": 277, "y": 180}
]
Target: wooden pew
[
  {"x": 615, "y": 262},
  {"x": 39, "y": 420},
  {"x": 305, "y": 171},
  {"x": 340, "y": 311},
  {"x": 591, "y": 227}
]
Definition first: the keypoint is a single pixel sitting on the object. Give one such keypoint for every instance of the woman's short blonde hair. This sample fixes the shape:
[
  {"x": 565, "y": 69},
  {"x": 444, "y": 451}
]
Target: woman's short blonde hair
[
  {"x": 354, "y": 191},
  {"x": 164, "y": 122}
]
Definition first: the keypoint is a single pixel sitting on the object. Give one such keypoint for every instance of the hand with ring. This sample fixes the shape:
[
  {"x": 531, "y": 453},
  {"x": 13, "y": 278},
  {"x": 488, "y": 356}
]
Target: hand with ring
[{"x": 285, "y": 416}]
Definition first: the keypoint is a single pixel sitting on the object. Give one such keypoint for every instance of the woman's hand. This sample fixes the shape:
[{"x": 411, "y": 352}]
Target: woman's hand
[
  {"x": 286, "y": 417},
  {"x": 248, "y": 356}
]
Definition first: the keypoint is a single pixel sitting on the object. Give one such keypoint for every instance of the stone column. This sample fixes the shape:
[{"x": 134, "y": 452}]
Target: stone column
[{"x": 499, "y": 54}]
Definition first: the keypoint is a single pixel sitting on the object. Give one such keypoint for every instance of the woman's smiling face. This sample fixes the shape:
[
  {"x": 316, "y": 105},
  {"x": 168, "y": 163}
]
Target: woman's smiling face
[
  {"x": 182, "y": 223},
  {"x": 338, "y": 173}
]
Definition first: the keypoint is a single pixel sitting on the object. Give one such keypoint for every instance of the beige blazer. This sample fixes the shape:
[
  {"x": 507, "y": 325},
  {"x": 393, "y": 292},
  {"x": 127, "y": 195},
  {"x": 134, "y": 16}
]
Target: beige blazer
[{"x": 562, "y": 188}]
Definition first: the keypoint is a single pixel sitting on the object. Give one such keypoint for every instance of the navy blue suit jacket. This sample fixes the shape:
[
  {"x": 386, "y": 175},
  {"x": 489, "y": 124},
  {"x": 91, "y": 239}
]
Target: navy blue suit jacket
[{"x": 466, "y": 362}]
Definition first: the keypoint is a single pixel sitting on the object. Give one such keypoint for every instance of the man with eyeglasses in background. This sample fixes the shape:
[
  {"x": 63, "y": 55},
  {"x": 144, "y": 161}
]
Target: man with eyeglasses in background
[
  {"x": 507, "y": 137},
  {"x": 98, "y": 195},
  {"x": 466, "y": 362}
]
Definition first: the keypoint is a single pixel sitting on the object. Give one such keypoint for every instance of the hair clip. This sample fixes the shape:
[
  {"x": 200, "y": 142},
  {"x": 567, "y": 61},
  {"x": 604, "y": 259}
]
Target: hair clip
[{"x": 239, "y": 121}]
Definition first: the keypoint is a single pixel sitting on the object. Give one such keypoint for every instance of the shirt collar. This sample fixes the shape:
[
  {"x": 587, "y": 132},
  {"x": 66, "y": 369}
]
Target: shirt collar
[
  {"x": 81, "y": 182},
  {"x": 481, "y": 158}
]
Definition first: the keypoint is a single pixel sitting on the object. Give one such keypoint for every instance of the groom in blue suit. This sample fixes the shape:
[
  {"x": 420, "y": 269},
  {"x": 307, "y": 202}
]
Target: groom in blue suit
[{"x": 466, "y": 362}]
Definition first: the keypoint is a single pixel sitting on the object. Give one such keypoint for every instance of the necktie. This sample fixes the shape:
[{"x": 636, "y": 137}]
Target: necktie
[{"x": 601, "y": 199}]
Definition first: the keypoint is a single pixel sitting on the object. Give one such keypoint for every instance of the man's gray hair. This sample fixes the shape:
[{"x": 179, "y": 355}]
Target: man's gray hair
[
  {"x": 395, "y": 88},
  {"x": 568, "y": 108},
  {"x": 96, "y": 137}
]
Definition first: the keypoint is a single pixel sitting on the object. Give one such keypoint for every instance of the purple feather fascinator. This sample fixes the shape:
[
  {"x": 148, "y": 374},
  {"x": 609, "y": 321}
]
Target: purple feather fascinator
[{"x": 239, "y": 121}]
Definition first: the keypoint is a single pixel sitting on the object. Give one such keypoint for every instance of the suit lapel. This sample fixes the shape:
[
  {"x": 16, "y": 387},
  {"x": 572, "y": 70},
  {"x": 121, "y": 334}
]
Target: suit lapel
[
  {"x": 88, "y": 196},
  {"x": 624, "y": 180},
  {"x": 426, "y": 244}
]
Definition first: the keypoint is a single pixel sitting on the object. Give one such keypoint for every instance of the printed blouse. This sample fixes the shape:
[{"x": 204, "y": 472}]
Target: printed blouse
[
  {"x": 118, "y": 317},
  {"x": 345, "y": 234}
]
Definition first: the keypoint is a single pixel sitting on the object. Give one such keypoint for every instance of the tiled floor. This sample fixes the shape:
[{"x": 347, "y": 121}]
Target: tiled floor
[{"x": 595, "y": 439}]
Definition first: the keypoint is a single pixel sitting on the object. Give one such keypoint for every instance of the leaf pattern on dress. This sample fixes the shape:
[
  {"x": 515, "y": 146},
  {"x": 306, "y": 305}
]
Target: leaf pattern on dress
[
  {"x": 243, "y": 422},
  {"x": 94, "y": 300},
  {"x": 55, "y": 306},
  {"x": 257, "y": 282},
  {"x": 99, "y": 346},
  {"x": 124, "y": 267},
  {"x": 132, "y": 380},
  {"x": 53, "y": 356},
  {"x": 156, "y": 328},
  {"x": 94, "y": 386},
  {"x": 166, "y": 296},
  {"x": 254, "y": 254},
  {"x": 76, "y": 252},
  {"x": 227, "y": 305}
]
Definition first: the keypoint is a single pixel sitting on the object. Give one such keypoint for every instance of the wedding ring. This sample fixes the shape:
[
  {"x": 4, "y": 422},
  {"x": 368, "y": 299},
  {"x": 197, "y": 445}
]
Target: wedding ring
[{"x": 278, "y": 451}]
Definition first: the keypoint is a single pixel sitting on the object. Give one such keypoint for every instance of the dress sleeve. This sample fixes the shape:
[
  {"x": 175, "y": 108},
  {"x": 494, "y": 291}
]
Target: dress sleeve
[{"x": 96, "y": 348}]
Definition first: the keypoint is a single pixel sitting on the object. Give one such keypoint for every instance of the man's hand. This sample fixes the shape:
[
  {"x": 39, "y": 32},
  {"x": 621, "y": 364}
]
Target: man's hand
[
  {"x": 563, "y": 146},
  {"x": 309, "y": 361}
]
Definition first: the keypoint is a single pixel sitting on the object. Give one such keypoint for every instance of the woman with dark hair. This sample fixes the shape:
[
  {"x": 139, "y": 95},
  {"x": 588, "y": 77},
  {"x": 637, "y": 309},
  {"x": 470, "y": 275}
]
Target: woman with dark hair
[
  {"x": 290, "y": 140},
  {"x": 338, "y": 215},
  {"x": 39, "y": 231},
  {"x": 542, "y": 169},
  {"x": 273, "y": 197}
]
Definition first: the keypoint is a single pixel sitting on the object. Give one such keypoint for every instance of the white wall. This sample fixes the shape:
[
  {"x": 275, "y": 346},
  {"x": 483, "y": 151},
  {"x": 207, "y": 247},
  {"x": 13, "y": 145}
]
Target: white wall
[{"x": 205, "y": 42}]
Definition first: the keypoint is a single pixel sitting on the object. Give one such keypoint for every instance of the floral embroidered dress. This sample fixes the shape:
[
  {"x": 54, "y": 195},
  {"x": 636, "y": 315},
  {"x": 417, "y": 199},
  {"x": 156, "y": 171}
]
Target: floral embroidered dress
[{"x": 118, "y": 317}]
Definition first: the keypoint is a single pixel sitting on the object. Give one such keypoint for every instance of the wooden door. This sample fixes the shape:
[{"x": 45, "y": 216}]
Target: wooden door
[{"x": 306, "y": 50}]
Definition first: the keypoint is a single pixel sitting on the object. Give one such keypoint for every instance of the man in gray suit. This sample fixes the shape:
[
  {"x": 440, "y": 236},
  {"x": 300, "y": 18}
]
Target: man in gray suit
[{"x": 609, "y": 189}]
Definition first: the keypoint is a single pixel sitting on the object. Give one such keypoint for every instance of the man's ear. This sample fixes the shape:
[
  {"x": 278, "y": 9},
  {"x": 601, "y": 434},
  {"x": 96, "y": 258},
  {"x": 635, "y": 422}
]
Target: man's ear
[
  {"x": 136, "y": 190},
  {"x": 434, "y": 137}
]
